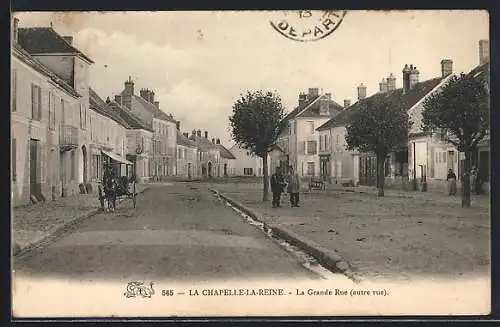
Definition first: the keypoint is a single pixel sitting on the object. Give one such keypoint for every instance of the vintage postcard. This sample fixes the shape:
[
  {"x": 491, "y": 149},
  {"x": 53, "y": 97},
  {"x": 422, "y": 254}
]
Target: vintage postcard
[{"x": 250, "y": 163}]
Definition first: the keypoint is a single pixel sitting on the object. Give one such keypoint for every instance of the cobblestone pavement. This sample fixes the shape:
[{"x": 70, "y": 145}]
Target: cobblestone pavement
[
  {"x": 404, "y": 235},
  {"x": 32, "y": 223},
  {"x": 178, "y": 231}
]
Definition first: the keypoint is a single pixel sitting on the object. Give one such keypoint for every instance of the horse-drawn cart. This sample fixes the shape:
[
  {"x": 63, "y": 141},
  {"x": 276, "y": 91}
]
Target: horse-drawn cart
[{"x": 118, "y": 187}]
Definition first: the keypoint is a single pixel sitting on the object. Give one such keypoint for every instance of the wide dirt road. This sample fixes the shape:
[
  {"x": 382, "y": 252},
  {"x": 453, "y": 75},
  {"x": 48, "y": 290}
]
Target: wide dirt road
[{"x": 177, "y": 232}]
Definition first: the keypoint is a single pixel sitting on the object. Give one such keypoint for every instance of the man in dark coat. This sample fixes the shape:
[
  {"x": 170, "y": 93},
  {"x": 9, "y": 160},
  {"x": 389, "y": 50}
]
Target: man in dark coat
[{"x": 277, "y": 185}]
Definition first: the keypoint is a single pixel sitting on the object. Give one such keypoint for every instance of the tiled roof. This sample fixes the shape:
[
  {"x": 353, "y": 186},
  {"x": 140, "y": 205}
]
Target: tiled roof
[
  {"x": 24, "y": 56},
  {"x": 44, "y": 40},
  {"x": 311, "y": 107},
  {"x": 202, "y": 143},
  {"x": 182, "y": 140},
  {"x": 405, "y": 101},
  {"x": 225, "y": 153},
  {"x": 157, "y": 113},
  {"x": 133, "y": 121},
  {"x": 98, "y": 105}
]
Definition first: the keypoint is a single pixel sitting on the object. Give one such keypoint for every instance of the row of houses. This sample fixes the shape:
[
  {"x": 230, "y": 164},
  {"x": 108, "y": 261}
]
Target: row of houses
[
  {"x": 63, "y": 132},
  {"x": 315, "y": 145}
]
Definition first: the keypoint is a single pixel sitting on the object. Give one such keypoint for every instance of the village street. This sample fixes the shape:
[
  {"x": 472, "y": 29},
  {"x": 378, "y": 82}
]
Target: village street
[
  {"x": 178, "y": 231},
  {"x": 181, "y": 231}
]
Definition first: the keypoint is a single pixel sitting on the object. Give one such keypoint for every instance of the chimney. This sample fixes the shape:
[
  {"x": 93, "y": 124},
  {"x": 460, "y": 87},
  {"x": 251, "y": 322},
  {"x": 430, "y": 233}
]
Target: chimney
[
  {"x": 118, "y": 98},
  {"x": 406, "y": 78},
  {"x": 302, "y": 98},
  {"x": 186, "y": 135},
  {"x": 68, "y": 39},
  {"x": 347, "y": 103},
  {"x": 157, "y": 104},
  {"x": 328, "y": 95},
  {"x": 391, "y": 82},
  {"x": 313, "y": 92},
  {"x": 108, "y": 100},
  {"x": 128, "y": 93},
  {"x": 361, "y": 91},
  {"x": 324, "y": 106},
  {"x": 206, "y": 134},
  {"x": 484, "y": 51},
  {"x": 144, "y": 94},
  {"x": 383, "y": 86},
  {"x": 15, "y": 30},
  {"x": 414, "y": 74},
  {"x": 151, "y": 97},
  {"x": 213, "y": 140},
  {"x": 446, "y": 67},
  {"x": 198, "y": 133},
  {"x": 178, "y": 125},
  {"x": 217, "y": 141}
]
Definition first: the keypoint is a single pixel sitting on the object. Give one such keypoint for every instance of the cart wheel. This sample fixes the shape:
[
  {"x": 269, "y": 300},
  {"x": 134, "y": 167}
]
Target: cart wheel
[{"x": 133, "y": 195}]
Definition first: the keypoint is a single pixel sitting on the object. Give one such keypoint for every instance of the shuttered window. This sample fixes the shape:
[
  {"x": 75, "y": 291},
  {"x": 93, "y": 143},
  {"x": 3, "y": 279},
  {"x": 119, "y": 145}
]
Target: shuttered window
[
  {"x": 36, "y": 102},
  {"x": 311, "y": 147},
  {"x": 14, "y": 90},
  {"x": 14, "y": 160},
  {"x": 52, "y": 111},
  {"x": 83, "y": 116}
]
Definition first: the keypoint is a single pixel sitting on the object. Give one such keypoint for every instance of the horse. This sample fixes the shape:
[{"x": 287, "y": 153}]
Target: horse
[{"x": 109, "y": 194}]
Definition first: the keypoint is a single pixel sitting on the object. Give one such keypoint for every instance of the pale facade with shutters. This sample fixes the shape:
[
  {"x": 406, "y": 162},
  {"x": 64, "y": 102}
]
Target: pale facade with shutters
[
  {"x": 305, "y": 158},
  {"x": 45, "y": 118}
]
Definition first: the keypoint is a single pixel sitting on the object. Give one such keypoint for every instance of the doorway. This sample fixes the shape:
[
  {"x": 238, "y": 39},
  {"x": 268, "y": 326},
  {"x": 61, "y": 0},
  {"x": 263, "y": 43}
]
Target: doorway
[
  {"x": 209, "y": 169},
  {"x": 84, "y": 155},
  {"x": 225, "y": 169},
  {"x": 34, "y": 168}
]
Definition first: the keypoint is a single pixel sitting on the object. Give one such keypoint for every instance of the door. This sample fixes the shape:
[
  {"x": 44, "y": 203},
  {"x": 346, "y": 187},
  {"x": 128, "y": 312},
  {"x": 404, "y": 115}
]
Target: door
[
  {"x": 34, "y": 151},
  {"x": 225, "y": 169}
]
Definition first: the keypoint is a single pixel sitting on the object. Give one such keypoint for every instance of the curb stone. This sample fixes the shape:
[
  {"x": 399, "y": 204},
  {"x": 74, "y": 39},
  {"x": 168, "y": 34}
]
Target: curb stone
[
  {"x": 327, "y": 258},
  {"x": 18, "y": 251}
]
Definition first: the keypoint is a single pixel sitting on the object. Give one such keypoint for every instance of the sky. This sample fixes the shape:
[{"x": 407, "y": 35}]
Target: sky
[{"x": 198, "y": 63}]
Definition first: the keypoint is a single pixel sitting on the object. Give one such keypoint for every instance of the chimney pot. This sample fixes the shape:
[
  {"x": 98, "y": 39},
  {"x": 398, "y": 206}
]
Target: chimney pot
[
  {"x": 68, "y": 39},
  {"x": 328, "y": 95},
  {"x": 391, "y": 82},
  {"x": 213, "y": 140},
  {"x": 198, "y": 132},
  {"x": 361, "y": 91},
  {"x": 206, "y": 134},
  {"x": 313, "y": 92},
  {"x": 218, "y": 141},
  {"x": 186, "y": 135},
  {"x": 484, "y": 51},
  {"x": 446, "y": 67},
  {"x": 15, "y": 30},
  {"x": 347, "y": 103},
  {"x": 178, "y": 125}
]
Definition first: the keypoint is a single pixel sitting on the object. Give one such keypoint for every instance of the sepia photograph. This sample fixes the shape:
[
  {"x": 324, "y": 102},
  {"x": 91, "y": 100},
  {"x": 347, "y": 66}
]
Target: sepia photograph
[{"x": 250, "y": 163}]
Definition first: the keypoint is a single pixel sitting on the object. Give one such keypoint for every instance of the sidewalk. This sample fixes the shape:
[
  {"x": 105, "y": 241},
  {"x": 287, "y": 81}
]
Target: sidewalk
[
  {"x": 404, "y": 235},
  {"x": 32, "y": 224}
]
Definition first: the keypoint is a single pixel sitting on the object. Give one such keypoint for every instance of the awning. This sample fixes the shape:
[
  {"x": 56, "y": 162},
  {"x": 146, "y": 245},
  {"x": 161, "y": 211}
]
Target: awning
[{"x": 117, "y": 158}]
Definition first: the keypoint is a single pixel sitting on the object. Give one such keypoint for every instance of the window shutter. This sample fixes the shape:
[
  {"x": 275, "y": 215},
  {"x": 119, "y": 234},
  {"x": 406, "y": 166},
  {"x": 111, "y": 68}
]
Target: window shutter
[
  {"x": 14, "y": 89},
  {"x": 33, "y": 102},
  {"x": 14, "y": 160},
  {"x": 39, "y": 103}
]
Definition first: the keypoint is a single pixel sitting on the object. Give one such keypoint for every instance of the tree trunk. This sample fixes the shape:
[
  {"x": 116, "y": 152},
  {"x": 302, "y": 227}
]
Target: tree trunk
[
  {"x": 466, "y": 180},
  {"x": 380, "y": 174},
  {"x": 265, "y": 178}
]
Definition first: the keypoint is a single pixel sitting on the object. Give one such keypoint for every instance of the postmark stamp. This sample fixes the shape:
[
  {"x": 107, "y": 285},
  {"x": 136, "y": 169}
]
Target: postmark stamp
[{"x": 307, "y": 25}]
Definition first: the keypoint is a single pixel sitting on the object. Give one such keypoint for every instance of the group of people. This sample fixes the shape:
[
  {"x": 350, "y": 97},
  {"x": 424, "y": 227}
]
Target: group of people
[
  {"x": 473, "y": 178},
  {"x": 292, "y": 184}
]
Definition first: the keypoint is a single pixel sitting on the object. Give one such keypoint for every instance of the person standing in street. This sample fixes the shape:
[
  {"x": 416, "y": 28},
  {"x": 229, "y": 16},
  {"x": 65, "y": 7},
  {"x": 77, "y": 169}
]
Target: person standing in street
[
  {"x": 452, "y": 182},
  {"x": 473, "y": 179},
  {"x": 277, "y": 184},
  {"x": 293, "y": 187}
]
